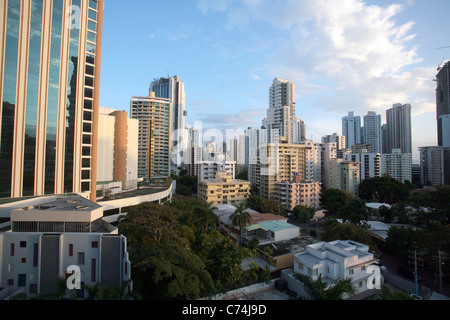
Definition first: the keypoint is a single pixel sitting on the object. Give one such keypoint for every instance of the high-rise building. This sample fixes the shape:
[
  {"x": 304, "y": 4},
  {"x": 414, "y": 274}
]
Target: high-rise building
[
  {"x": 154, "y": 135},
  {"x": 344, "y": 175},
  {"x": 372, "y": 131},
  {"x": 351, "y": 129},
  {"x": 173, "y": 89},
  {"x": 443, "y": 105},
  {"x": 49, "y": 90},
  {"x": 398, "y": 121},
  {"x": 118, "y": 148},
  {"x": 433, "y": 163},
  {"x": 300, "y": 130},
  {"x": 340, "y": 140},
  {"x": 281, "y": 113},
  {"x": 397, "y": 165},
  {"x": 370, "y": 163},
  {"x": 279, "y": 162}
]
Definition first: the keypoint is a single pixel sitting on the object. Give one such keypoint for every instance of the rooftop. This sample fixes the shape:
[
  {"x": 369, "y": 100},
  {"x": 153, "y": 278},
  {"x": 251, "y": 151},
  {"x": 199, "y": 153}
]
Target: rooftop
[{"x": 73, "y": 203}]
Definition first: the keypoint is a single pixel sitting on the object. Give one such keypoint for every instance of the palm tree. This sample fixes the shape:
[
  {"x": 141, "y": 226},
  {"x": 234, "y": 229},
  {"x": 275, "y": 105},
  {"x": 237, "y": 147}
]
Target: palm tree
[
  {"x": 240, "y": 218},
  {"x": 319, "y": 290},
  {"x": 205, "y": 215}
]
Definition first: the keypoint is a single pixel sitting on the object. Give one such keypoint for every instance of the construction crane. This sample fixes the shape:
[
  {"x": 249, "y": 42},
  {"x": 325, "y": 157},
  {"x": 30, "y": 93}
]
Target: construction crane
[{"x": 440, "y": 65}]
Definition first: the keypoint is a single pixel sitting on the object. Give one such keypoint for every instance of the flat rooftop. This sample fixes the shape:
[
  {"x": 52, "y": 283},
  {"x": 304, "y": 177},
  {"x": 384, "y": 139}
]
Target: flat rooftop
[{"x": 70, "y": 203}]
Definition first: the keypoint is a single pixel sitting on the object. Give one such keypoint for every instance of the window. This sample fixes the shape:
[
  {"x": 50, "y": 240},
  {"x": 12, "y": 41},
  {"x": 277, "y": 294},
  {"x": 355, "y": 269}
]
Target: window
[
  {"x": 23, "y": 244},
  {"x": 94, "y": 244},
  {"x": 11, "y": 249},
  {"x": 70, "y": 250},
  {"x": 24, "y": 260},
  {"x": 81, "y": 258}
]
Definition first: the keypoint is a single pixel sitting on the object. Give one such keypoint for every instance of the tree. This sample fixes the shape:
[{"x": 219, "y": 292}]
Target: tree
[
  {"x": 205, "y": 217},
  {"x": 398, "y": 238},
  {"x": 383, "y": 189},
  {"x": 303, "y": 213},
  {"x": 354, "y": 211},
  {"x": 319, "y": 290},
  {"x": 339, "y": 231},
  {"x": 387, "y": 294},
  {"x": 333, "y": 199},
  {"x": 240, "y": 218}
]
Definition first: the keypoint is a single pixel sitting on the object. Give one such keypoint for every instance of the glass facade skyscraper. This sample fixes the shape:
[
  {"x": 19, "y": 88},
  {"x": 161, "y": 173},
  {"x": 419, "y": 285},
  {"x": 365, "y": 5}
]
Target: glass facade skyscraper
[{"x": 49, "y": 90}]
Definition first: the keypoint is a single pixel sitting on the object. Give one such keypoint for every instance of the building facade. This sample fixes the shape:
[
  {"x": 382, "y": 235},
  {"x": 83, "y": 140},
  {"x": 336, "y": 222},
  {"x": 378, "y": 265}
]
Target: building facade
[
  {"x": 118, "y": 148},
  {"x": 296, "y": 192},
  {"x": 443, "y": 105},
  {"x": 370, "y": 164},
  {"x": 49, "y": 90},
  {"x": 344, "y": 175},
  {"x": 372, "y": 131},
  {"x": 434, "y": 161},
  {"x": 351, "y": 129},
  {"x": 154, "y": 150},
  {"x": 336, "y": 260},
  {"x": 173, "y": 89},
  {"x": 279, "y": 162},
  {"x": 397, "y": 165},
  {"x": 223, "y": 189},
  {"x": 398, "y": 130},
  {"x": 281, "y": 119},
  {"x": 48, "y": 238}
]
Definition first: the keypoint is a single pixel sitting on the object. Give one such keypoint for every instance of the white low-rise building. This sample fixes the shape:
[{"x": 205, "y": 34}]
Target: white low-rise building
[
  {"x": 336, "y": 260},
  {"x": 48, "y": 238}
]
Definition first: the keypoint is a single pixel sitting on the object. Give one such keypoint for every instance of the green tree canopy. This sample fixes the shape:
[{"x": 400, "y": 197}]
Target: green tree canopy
[
  {"x": 333, "y": 199},
  {"x": 320, "y": 290},
  {"x": 383, "y": 189},
  {"x": 303, "y": 213}
]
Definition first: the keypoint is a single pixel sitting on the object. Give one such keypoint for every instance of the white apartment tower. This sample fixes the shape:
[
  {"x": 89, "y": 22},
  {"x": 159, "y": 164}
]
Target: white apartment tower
[
  {"x": 351, "y": 129},
  {"x": 281, "y": 113}
]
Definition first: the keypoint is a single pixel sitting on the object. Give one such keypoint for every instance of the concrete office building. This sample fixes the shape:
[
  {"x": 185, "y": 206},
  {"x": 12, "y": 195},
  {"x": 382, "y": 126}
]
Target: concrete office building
[
  {"x": 117, "y": 148},
  {"x": 47, "y": 238},
  {"x": 397, "y": 165},
  {"x": 398, "y": 129},
  {"x": 281, "y": 118},
  {"x": 154, "y": 149},
  {"x": 49, "y": 90},
  {"x": 443, "y": 105},
  {"x": 351, "y": 129}
]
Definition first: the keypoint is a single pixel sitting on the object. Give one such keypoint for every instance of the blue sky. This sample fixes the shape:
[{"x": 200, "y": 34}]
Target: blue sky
[{"x": 343, "y": 56}]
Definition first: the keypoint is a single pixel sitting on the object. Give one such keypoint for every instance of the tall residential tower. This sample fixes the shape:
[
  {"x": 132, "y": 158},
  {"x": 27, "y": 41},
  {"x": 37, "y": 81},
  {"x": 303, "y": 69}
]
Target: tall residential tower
[{"x": 281, "y": 118}]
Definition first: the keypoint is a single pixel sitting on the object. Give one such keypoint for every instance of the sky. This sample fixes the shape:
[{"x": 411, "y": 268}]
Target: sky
[{"x": 346, "y": 55}]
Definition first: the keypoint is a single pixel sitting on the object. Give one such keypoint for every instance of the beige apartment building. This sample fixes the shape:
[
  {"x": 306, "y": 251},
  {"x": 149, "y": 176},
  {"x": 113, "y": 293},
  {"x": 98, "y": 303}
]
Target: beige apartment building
[
  {"x": 279, "y": 162},
  {"x": 49, "y": 92},
  {"x": 297, "y": 192},
  {"x": 223, "y": 189}
]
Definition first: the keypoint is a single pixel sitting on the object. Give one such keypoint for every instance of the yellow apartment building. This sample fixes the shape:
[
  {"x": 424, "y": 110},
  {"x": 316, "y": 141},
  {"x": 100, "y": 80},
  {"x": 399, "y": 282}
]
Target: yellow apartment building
[{"x": 223, "y": 189}]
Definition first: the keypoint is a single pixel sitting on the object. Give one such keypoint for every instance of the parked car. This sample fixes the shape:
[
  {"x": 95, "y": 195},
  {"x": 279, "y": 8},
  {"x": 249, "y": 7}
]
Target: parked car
[{"x": 408, "y": 273}]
